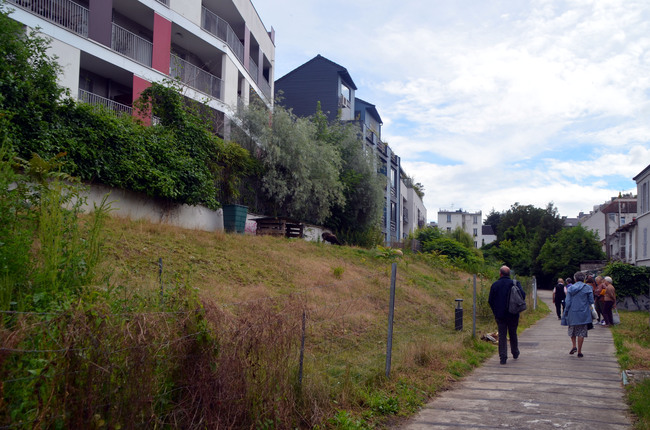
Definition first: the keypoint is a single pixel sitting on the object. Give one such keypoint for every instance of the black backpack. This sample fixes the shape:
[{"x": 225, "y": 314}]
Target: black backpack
[{"x": 559, "y": 292}]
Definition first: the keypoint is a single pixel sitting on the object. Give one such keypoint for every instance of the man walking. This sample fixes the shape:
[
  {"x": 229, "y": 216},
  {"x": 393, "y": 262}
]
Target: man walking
[{"x": 506, "y": 322}]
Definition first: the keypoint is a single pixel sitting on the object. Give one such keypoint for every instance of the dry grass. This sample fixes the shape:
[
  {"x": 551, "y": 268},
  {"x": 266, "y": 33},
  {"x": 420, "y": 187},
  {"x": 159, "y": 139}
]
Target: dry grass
[{"x": 254, "y": 291}]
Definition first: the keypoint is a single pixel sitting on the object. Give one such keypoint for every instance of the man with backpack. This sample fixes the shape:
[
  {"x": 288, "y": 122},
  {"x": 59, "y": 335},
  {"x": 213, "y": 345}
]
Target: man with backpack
[
  {"x": 507, "y": 322},
  {"x": 559, "y": 294}
]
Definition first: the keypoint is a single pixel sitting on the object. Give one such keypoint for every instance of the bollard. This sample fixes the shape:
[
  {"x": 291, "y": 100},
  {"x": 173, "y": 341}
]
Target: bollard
[{"x": 459, "y": 314}]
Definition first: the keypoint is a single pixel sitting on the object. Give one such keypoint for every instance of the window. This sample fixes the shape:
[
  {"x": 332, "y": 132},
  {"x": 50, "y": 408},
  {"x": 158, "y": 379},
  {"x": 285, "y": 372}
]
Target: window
[
  {"x": 475, "y": 220},
  {"x": 622, "y": 220},
  {"x": 448, "y": 229},
  {"x": 448, "y": 217},
  {"x": 393, "y": 178},
  {"x": 475, "y": 232},
  {"x": 646, "y": 201},
  {"x": 393, "y": 211},
  {"x": 346, "y": 93},
  {"x": 645, "y": 242}
]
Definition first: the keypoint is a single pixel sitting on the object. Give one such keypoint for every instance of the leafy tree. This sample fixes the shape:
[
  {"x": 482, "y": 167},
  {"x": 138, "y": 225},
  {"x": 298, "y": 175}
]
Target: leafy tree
[
  {"x": 562, "y": 253},
  {"x": 300, "y": 176},
  {"x": 363, "y": 188},
  {"x": 29, "y": 93},
  {"x": 428, "y": 233},
  {"x": 493, "y": 219},
  {"x": 629, "y": 281},
  {"x": 521, "y": 233}
]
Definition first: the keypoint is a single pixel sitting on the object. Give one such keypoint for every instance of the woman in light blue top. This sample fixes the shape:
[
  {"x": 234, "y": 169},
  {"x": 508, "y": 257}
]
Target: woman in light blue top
[{"x": 577, "y": 311}]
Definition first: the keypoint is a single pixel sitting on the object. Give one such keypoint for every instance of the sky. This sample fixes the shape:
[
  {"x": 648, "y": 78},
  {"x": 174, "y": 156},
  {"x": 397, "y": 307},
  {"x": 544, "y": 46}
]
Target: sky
[{"x": 490, "y": 103}]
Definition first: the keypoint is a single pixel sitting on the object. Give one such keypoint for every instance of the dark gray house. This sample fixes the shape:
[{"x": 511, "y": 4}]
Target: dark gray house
[
  {"x": 318, "y": 80},
  {"x": 322, "y": 80}
]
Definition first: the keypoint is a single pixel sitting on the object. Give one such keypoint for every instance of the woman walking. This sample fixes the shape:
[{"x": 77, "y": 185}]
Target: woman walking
[
  {"x": 609, "y": 302},
  {"x": 577, "y": 312}
]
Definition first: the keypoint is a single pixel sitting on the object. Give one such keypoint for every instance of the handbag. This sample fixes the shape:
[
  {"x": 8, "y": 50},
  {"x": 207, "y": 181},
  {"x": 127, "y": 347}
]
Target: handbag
[
  {"x": 594, "y": 314},
  {"x": 616, "y": 318}
]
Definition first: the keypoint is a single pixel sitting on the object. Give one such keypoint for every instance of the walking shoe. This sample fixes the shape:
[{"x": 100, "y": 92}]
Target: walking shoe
[
  {"x": 580, "y": 355},
  {"x": 515, "y": 356},
  {"x": 503, "y": 361},
  {"x": 573, "y": 350}
]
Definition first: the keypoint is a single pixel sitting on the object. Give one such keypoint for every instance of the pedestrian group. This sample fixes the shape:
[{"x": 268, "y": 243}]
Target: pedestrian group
[{"x": 580, "y": 302}]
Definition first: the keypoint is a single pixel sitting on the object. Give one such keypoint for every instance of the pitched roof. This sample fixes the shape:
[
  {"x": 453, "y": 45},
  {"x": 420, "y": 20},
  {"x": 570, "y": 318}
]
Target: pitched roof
[
  {"x": 340, "y": 69},
  {"x": 371, "y": 109}
]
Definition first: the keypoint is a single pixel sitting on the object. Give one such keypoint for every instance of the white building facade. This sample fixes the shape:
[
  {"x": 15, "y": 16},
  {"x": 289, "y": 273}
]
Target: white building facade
[
  {"x": 112, "y": 50},
  {"x": 470, "y": 222},
  {"x": 414, "y": 214},
  {"x": 642, "y": 253}
]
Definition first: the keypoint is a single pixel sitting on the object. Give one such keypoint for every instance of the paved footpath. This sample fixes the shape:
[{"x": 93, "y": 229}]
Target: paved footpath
[{"x": 546, "y": 388}]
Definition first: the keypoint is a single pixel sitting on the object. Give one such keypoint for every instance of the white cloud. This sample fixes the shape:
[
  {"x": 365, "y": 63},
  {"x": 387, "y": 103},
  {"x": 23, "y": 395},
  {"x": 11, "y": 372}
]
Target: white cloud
[{"x": 555, "y": 93}]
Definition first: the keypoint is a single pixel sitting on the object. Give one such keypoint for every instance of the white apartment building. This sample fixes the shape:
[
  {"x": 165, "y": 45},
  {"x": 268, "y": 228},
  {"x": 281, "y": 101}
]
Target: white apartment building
[
  {"x": 414, "y": 214},
  {"x": 470, "y": 222},
  {"x": 610, "y": 222},
  {"x": 111, "y": 50},
  {"x": 642, "y": 222}
]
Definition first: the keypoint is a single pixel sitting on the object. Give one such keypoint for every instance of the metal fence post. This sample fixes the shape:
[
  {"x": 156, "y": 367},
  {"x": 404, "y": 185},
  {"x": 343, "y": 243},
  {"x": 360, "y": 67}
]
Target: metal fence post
[
  {"x": 160, "y": 270},
  {"x": 474, "y": 310},
  {"x": 302, "y": 349},
  {"x": 391, "y": 311}
]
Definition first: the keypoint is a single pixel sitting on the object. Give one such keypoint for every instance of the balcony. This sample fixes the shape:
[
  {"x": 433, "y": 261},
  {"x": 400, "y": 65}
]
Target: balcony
[
  {"x": 165, "y": 2},
  {"x": 131, "y": 45},
  {"x": 194, "y": 77},
  {"x": 253, "y": 69},
  {"x": 220, "y": 28},
  {"x": 65, "y": 13},
  {"x": 94, "y": 99}
]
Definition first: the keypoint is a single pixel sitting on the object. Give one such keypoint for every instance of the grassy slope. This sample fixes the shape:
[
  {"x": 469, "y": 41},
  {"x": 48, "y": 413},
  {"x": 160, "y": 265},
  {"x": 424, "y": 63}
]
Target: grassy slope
[
  {"x": 632, "y": 340},
  {"x": 344, "y": 292}
]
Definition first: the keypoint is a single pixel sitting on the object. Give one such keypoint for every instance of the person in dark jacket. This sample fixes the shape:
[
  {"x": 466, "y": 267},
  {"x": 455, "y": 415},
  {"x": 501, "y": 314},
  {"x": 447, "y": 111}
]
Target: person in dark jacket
[
  {"x": 558, "y": 297},
  {"x": 506, "y": 322}
]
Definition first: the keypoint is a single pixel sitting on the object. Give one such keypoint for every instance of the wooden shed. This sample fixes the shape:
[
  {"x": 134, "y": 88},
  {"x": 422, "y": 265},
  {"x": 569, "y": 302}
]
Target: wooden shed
[{"x": 279, "y": 226}]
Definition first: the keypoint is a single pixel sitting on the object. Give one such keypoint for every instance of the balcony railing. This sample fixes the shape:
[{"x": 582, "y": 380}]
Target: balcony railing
[
  {"x": 131, "y": 45},
  {"x": 253, "y": 69},
  {"x": 220, "y": 28},
  {"x": 94, "y": 99},
  {"x": 265, "y": 87},
  {"x": 66, "y": 13},
  {"x": 165, "y": 2},
  {"x": 194, "y": 77}
]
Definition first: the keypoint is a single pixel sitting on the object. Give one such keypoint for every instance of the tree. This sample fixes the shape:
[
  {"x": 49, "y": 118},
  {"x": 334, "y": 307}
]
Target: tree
[
  {"x": 521, "y": 232},
  {"x": 29, "y": 92},
  {"x": 562, "y": 253},
  {"x": 300, "y": 173}
]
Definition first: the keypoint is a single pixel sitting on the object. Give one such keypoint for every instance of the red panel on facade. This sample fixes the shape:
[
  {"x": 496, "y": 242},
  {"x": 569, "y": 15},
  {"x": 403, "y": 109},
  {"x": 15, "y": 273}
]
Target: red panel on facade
[
  {"x": 140, "y": 85},
  {"x": 162, "y": 40}
]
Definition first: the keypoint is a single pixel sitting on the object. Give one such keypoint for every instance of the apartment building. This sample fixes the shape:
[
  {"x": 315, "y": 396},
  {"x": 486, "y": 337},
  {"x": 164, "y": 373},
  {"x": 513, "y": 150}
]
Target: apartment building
[
  {"x": 639, "y": 232},
  {"x": 112, "y": 50},
  {"x": 609, "y": 221},
  {"x": 322, "y": 80},
  {"x": 414, "y": 214},
  {"x": 471, "y": 222}
]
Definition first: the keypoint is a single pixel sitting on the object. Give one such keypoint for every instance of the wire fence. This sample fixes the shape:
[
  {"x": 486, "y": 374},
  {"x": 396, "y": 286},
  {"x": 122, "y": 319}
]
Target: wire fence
[{"x": 309, "y": 332}]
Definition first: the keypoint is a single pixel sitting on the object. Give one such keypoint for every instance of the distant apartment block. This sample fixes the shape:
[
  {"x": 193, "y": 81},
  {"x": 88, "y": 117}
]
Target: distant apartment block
[
  {"x": 111, "y": 50},
  {"x": 610, "y": 222},
  {"x": 321, "y": 80},
  {"x": 471, "y": 222}
]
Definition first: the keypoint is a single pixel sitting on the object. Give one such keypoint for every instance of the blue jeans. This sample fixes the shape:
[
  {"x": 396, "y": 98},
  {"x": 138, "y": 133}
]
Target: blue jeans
[{"x": 508, "y": 326}]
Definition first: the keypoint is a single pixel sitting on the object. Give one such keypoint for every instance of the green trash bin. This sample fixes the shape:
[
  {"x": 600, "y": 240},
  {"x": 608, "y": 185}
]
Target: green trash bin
[{"x": 234, "y": 218}]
